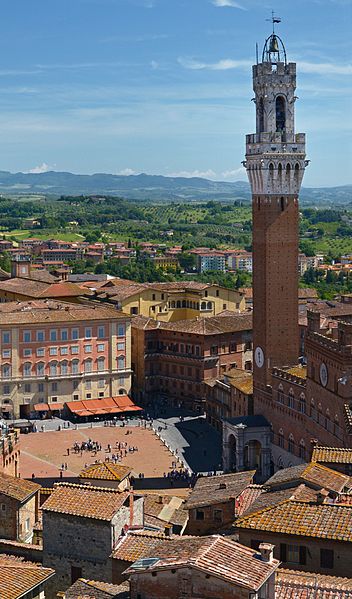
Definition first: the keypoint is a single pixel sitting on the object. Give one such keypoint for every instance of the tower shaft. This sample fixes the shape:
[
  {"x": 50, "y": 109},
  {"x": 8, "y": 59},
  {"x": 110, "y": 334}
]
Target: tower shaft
[{"x": 275, "y": 163}]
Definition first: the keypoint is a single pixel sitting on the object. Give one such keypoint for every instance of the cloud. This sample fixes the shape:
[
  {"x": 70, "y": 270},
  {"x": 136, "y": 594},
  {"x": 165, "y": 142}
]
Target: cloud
[
  {"x": 208, "y": 174},
  {"x": 126, "y": 172},
  {"x": 222, "y": 65},
  {"x": 228, "y": 3},
  {"x": 324, "y": 68},
  {"x": 42, "y": 168},
  {"x": 235, "y": 174}
]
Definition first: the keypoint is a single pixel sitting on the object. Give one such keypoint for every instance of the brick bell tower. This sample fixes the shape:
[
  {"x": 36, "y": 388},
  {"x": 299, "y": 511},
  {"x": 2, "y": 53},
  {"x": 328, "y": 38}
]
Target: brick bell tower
[{"x": 275, "y": 163}]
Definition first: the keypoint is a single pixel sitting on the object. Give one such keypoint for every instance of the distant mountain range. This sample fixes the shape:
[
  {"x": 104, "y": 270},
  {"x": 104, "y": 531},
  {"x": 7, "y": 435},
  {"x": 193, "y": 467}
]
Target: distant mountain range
[{"x": 149, "y": 187}]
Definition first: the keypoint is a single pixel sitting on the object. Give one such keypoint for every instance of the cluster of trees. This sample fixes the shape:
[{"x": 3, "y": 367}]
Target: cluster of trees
[{"x": 327, "y": 285}]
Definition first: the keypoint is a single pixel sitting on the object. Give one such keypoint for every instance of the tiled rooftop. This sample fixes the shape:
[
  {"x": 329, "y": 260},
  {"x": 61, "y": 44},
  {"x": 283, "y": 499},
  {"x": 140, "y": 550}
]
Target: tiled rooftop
[
  {"x": 210, "y": 490},
  {"x": 217, "y": 556},
  {"x": 269, "y": 498},
  {"x": 307, "y": 585},
  {"x": 241, "y": 380},
  {"x": 17, "y": 488},
  {"x": 211, "y": 325},
  {"x": 85, "y": 501},
  {"x": 44, "y": 311},
  {"x": 37, "y": 289},
  {"x": 332, "y": 455},
  {"x": 106, "y": 471},
  {"x": 93, "y": 589},
  {"x": 314, "y": 474},
  {"x": 18, "y": 577},
  {"x": 139, "y": 544},
  {"x": 295, "y": 517}
]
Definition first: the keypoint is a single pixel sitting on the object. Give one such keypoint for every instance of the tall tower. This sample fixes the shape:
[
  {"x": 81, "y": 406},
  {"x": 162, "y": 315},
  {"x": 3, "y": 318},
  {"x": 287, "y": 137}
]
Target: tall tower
[{"x": 275, "y": 163}]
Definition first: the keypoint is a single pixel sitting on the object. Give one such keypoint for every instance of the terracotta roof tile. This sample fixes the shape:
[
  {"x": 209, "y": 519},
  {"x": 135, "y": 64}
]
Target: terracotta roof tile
[
  {"x": 293, "y": 517},
  {"x": 211, "y": 325},
  {"x": 210, "y": 490},
  {"x": 161, "y": 509},
  {"x": 217, "y": 556},
  {"x": 269, "y": 498},
  {"x": 85, "y": 501},
  {"x": 18, "y": 577},
  {"x": 139, "y": 544},
  {"x": 105, "y": 471},
  {"x": 44, "y": 311},
  {"x": 290, "y": 584},
  {"x": 84, "y": 589},
  {"x": 313, "y": 473},
  {"x": 17, "y": 488},
  {"x": 332, "y": 455}
]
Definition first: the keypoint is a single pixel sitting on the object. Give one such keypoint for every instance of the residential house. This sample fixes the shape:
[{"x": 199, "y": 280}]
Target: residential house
[
  {"x": 94, "y": 589},
  {"x": 81, "y": 526},
  {"x": 337, "y": 458},
  {"x": 19, "y": 507},
  {"x": 22, "y": 579},
  {"x": 229, "y": 396},
  {"x": 107, "y": 474},
  {"x": 205, "y": 568},
  {"x": 212, "y": 504}
]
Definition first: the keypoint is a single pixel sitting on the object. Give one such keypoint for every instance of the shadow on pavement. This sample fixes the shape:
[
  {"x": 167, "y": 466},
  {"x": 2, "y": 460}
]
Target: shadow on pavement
[{"x": 203, "y": 453}]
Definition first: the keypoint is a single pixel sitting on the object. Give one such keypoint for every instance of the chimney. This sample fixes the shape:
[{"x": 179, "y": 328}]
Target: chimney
[
  {"x": 313, "y": 319},
  {"x": 321, "y": 496},
  {"x": 131, "y": 508},
  {"x": 266, "y": 552}
]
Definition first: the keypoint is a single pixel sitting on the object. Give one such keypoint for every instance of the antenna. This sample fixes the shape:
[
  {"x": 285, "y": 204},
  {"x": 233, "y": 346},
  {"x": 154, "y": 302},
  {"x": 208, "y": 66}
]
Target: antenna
[{"x": 274, "y": 19}]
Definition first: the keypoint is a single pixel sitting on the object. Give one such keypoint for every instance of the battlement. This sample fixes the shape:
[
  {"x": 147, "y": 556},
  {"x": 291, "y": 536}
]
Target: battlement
[
  {"x": 290, "y": 376},
  {"x": 279, "y": 68}
]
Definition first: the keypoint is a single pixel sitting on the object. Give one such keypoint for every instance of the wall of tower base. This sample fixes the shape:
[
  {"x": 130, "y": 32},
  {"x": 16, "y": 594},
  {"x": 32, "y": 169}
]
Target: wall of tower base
[{"x": 275, "y": 282}]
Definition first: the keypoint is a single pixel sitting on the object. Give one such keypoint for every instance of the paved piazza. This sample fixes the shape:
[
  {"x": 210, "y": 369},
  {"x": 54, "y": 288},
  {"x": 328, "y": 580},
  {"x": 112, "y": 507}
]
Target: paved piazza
[{"x": 43, "y": 453}]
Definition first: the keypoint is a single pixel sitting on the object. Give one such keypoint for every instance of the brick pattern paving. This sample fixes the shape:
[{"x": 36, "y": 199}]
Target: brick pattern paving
[{"x": 42, "y": 454}]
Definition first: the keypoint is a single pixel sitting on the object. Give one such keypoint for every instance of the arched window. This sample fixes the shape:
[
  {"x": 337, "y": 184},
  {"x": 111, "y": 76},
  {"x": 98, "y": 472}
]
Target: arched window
[
  {"x": 261, "y": 115},
  {"x": 288, "y": 174},
  {"x": 302, "y": 403},
  {"x": 291, "y": 443},
  {"x": 280, "y": 114},
  {"x": 122, "y": 392},
  {"x": 88, "y": 365},
  {"x": 280, "y": 394},
  {"x": 27, "y": 369},
  {"x": 64, "y": 367},
  {"x": 281, "y": 438},
  {"x": 203, "y": 306},
  {"x": 183, "y": 303},
  {"x": 101, "y": 364},
  {"x": 121, "y": 362},
  {"x": 53, "y": 368},
  {"x": 173, "y": 304},
  {"x": 40, "y": 369},
  {"x": 75, "y": 366},
  {"x": 178, "y": 305},
  {"x": 209, "y": 306},
  {"x": 302, "y": 449},
  {"x": 291, "y": 399},
  {"x": 6, "y": 371}
]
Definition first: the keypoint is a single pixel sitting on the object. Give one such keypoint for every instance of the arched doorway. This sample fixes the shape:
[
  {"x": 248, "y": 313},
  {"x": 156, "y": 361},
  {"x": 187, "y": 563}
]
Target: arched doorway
[
  {"x": 252, "y": 455},
  {"x": 232, "y": 453}
]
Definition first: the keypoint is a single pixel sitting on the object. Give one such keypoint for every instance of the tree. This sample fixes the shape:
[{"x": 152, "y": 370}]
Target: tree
[{"x": 187, "y": 261}]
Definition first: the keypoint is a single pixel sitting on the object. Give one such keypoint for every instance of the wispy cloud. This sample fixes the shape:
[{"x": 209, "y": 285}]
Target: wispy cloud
[
  {"x": 221, "y": 65},
  {"x": 228, "y": 3},
  {"x": 206, "y": 174},
  {"x": 325, "y": 68},
  {"x": 225, "y": 64}
]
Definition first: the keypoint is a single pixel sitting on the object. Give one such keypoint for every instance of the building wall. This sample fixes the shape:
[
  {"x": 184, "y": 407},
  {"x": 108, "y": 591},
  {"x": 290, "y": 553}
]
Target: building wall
[
  {"x": 183, "y": 582},
  {"x": 17, "y": 519},
  {"x": 214, "y": 517},
  {"x": 10, "y": 452},
  {"x": 342, "y": 551},
  {"x": 168, "y": 305},
  {"x": 20, "y": 387},
  {"x": 176, "y": 364}
]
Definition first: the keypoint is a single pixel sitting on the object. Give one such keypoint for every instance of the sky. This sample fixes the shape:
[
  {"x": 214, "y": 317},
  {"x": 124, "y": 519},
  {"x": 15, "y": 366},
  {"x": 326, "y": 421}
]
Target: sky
[{"x": 164, "y": 86}]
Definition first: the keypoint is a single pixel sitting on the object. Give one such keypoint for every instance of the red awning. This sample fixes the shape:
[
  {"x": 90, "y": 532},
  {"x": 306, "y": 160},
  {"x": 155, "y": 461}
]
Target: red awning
[
  {"x": 107, "y": 405},
  {"x": 56, "y": 406},
  {"x": 41, "y": 407}
]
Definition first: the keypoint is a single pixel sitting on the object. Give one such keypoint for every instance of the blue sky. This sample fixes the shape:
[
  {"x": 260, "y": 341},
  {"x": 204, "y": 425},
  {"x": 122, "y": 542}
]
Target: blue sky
[{"x": 164, "y": 86}]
